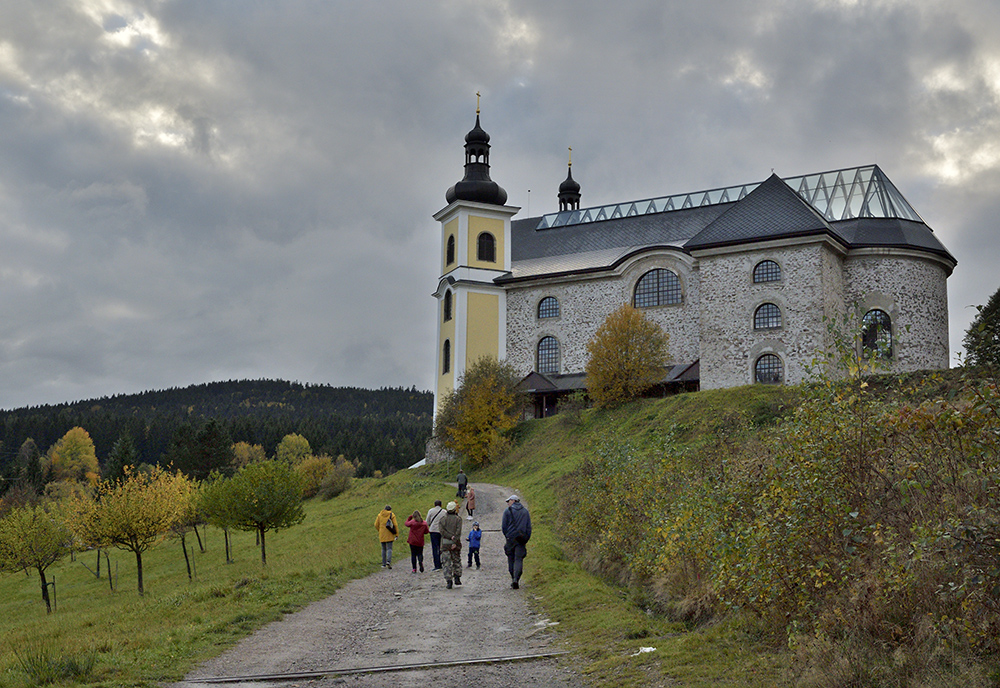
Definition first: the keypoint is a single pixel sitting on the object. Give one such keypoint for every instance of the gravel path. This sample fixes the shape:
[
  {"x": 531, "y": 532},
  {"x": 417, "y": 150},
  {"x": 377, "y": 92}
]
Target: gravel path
[{"x": 395, "y": 617}]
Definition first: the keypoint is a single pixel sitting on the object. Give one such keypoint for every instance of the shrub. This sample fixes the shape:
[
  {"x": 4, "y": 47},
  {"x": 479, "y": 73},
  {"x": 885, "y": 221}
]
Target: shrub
[
  {"x": 313, "y": 471},
  {"x": 337, "y": 479}
]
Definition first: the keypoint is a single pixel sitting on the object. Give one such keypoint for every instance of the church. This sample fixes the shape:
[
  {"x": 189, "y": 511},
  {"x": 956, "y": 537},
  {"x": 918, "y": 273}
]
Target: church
[{"x": 743, "y": 279}]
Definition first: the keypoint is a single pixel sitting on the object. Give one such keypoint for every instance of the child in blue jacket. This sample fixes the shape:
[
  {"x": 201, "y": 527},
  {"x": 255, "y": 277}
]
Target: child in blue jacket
[{"x": 474, "y": 537}]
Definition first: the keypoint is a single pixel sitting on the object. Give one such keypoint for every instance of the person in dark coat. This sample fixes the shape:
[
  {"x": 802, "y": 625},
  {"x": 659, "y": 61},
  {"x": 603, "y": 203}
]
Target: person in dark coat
[
  {"x": 516, "y": 527},
  {"x": 451, "y": 545},
  {"x": 463, "y": 482}
]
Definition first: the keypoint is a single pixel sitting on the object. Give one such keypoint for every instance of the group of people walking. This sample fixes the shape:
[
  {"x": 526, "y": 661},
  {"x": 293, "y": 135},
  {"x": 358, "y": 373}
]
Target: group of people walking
[{"x": 444, "y": 526}]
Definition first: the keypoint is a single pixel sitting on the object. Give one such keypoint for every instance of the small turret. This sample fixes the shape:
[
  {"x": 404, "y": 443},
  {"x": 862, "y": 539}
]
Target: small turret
[{"x": 569, "y": 190}]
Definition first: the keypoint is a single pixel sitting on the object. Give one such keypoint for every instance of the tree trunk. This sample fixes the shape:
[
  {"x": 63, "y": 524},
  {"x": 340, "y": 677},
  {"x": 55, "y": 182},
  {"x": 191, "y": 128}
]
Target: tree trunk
[
  {"x": 198, "y": 535},
  {"x": 45, "y": 590},
  {"x": 138, "y": 568},
  {"x": 225, "y": 533},
  {"x": 187, "y": 560},
  {"x": 263, "y": 550},
  {"x": 98, "y": 574}
]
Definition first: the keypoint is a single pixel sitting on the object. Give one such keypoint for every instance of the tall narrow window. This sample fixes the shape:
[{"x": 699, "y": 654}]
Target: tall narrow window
[
  {"x": 876, "y": 333},
  {"x": 446, "y": 357},
  {"x": 548, "y": 355},
  {"x": 657, "y": 287},
  {"x": 767, "y": 317},
  {"x": 450, "y": 251},
  {"x": 768, "y": 370},
  {"x": 486, "y": 248},
  {"x": 548, "y": 307},
  {"x": 447, "y": 306},
  {"x": 767, "y": 271}
]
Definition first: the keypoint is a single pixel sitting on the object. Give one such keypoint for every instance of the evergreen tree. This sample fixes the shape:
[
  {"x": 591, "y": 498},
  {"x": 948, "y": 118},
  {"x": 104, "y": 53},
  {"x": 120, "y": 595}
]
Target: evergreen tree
[
  {"x": 28, "y": 466},
  {"x": 982, "y": 339},
  {"x": 123, "y": 454}
]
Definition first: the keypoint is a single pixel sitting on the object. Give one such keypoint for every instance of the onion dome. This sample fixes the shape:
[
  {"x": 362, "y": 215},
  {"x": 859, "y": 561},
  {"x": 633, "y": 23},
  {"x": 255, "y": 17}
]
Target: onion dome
[
  {"x": 477, "y": 185},
  {"x": 569, "y": 190}
]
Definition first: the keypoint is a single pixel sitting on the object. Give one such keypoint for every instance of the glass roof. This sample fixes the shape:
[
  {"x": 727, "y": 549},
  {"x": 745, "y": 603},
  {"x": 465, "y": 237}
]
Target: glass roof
[{"x": 836, "y": 195}]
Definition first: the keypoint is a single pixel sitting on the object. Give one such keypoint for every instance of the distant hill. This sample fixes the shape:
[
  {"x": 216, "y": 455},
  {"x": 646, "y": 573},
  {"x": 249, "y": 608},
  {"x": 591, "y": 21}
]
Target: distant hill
[{"x": 383, "y": 429}]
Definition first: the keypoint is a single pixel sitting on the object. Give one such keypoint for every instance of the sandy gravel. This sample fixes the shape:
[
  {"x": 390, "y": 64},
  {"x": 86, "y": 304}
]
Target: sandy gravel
[{"x": 395, "y": 617}]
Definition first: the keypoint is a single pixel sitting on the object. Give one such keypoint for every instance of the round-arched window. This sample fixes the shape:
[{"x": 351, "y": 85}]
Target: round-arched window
[
  {"x": 548, "y": 355},
  {"x": 876, "y": 333},
  {"x": 450, "y": 251},
  {"x": 446, "y": 357},
  {"x": 768, "y": 370},
  {"x": 767, "y": 271},
  {"x": 548, "y": 307},
  {"x": 657, "y": 287},
  {"x": 767, "y": 317},
  {"x": 486, "y": 248},
  {"x": 447, "y": 306}
]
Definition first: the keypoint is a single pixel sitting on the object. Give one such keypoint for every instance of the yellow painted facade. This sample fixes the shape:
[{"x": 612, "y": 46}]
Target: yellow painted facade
[
  {"x": 482, "y": 327},
  {"x": 478, "y": 225},
  {"x": 446, "y": 381},
  {"x": 450, "y": 229}
]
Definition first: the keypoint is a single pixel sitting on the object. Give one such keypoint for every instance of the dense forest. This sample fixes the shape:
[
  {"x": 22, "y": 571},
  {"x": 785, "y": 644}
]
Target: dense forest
[{"x": 381, "y": 429}]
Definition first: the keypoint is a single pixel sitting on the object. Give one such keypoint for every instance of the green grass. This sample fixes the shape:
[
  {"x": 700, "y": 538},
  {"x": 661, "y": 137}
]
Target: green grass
[
  {"x": 137, "y": 641},
  {"x": 162, "y": 635},
  {"x": 606, "y": 623}
]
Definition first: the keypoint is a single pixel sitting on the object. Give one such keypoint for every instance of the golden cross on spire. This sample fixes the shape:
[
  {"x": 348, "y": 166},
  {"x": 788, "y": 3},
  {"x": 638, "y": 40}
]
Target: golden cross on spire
[
  {"x": 571, "y": 156},
  {"x": 477, "y": 102}
]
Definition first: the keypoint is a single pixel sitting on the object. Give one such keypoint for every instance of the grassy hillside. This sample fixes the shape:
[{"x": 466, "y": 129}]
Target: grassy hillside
[{"x": 637, "y": 512}]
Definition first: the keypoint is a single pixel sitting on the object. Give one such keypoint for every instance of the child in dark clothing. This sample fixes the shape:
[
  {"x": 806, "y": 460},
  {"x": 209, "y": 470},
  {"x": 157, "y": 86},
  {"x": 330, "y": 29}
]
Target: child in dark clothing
[{"x": 474, "y": 537}]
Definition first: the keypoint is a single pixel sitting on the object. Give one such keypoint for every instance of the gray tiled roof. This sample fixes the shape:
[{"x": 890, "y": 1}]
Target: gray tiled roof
[{"x": 771, "y": 210}]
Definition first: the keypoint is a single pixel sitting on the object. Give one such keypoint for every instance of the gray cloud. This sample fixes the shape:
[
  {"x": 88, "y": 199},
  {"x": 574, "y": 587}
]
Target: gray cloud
[{"x": 198, "y": 191}]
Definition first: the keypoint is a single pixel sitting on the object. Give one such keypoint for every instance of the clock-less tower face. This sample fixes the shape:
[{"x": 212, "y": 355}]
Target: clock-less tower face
[{"x": 475, "y": 250}]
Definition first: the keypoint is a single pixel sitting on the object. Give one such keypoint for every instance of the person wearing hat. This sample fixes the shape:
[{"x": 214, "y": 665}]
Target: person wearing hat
[
  {"x": 434, "y": 517},
  {"x": 516, "y": 527},
  {"x": 451, "y": 545},
  {"x": 387, "y": 527}
]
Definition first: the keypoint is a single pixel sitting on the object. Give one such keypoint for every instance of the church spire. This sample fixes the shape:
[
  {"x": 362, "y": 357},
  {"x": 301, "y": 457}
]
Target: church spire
[
  {"x": 477, "y": 185},
  {"x": 569, "y": 190}
]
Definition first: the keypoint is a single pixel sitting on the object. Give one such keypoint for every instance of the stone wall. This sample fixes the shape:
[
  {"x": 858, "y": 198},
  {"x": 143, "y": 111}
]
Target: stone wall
[
  {"x": 585, "y": 302},
  {"x": 715, "y": 321},
  {"x": 730, "y": 346},
  {"x": 914, "y": 292}
]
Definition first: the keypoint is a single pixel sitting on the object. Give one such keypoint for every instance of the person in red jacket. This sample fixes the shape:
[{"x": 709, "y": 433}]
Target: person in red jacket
[{"x": 418, "y": 531}]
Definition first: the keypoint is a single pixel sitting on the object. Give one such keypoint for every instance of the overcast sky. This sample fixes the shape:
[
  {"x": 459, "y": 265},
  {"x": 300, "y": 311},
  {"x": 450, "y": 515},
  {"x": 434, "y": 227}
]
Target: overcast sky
[{"x": 212, "y": 190}]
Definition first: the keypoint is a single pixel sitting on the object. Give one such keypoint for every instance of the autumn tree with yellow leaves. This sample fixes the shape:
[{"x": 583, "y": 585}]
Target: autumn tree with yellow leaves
[
  {"x": 31, "y": 537},
  {"x": 474, "y": 418},
  {"x": 627, "y": 356},
  {"x": 133, "y": 513},
  {"x": 73, "y": 457}
]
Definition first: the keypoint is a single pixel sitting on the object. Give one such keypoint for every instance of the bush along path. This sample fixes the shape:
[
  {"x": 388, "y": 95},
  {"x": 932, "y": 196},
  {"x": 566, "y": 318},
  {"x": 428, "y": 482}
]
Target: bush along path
[{"x": 394, "y": 619}]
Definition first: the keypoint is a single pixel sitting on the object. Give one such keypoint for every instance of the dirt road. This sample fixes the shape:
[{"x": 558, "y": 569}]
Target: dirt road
[{"x": 395, "y": 618}]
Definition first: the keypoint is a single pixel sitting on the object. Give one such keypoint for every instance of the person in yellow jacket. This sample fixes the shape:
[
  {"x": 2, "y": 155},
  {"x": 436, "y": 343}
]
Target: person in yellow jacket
[{"x": 388, "y": 528}]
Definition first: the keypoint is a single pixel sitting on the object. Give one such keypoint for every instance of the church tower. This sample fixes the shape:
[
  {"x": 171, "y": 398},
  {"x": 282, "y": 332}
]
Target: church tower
[{"x": 475, "y": 250}]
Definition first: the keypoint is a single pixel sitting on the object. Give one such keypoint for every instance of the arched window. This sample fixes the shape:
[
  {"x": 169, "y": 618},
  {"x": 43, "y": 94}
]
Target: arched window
[
  {"x": 768, "y": 370},
  {"x": 486, "y": 248},
  {"x": 548, "y": 355},
  {"x": 767, "y": 271},
  {"x": 450, "y": 251},
  {"x": 447, "y": 305},
  {"x": 446, "y": 357},
  {"x": 657, "y": 287},
  {"x": 548, "y": 307},
  {"x": 876, "y": 333},
  {"x": 767, "y": 317}
]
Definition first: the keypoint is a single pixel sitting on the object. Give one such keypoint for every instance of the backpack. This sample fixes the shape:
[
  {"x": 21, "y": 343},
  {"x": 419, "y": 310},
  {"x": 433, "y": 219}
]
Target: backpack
[{"x": 389, "y": 525}]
